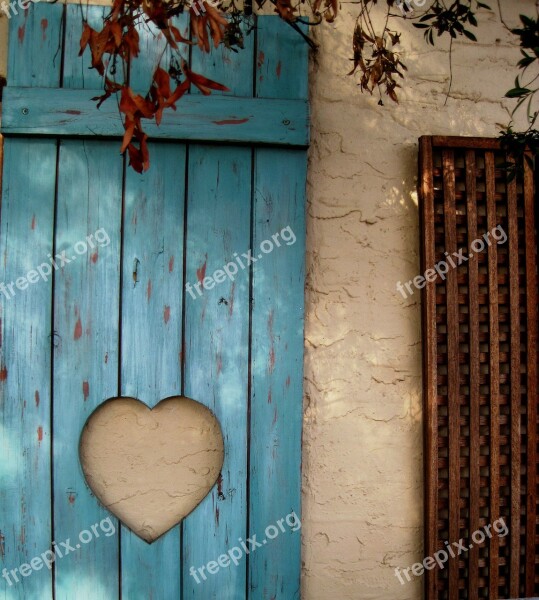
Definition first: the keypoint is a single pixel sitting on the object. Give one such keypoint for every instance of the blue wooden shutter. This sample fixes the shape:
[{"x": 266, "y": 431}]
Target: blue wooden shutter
[{"x": 228, "y": 172}]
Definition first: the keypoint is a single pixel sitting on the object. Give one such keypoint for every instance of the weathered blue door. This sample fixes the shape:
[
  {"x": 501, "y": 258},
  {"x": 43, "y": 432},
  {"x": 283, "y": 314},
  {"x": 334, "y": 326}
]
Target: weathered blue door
[{"x": 103, "y": 295}]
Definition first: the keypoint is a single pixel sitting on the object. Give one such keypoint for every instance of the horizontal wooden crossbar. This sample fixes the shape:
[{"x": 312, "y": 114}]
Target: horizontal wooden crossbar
[{"x": 65, "y": 112}]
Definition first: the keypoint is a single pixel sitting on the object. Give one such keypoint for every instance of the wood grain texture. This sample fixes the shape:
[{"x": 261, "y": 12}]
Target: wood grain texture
[
  {"x": 474, "y": 377},
  {"x": 26, "y": 239},
  {"x": 494, "y": 377},
  {"x": 428, "y": 316},
  {"x": 85, "y": 356},
  {"x": 452, "y": 311},
  {"x": 277, "y": 330},
  {"x": 151, "y": 337},
  {"x": 115, "y": 319},
  {"x": 72, "y": 113},
  {"x": 532, "y": 376},
  {"x": 216, "y": 356},
  {"x": 515, "y": 377}
]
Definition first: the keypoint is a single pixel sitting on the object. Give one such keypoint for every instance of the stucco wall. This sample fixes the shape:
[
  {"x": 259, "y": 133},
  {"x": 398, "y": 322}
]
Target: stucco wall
[{"x": 362, "y": 513}]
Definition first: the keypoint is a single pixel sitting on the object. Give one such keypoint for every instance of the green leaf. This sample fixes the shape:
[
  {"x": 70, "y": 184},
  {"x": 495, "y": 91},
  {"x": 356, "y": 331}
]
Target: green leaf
[{"x": 517, "y": 92}]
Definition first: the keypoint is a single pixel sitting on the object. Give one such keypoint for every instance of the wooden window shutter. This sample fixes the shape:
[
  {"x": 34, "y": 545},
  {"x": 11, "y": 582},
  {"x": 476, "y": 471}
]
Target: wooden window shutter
[{"x": 479, "y": 370}]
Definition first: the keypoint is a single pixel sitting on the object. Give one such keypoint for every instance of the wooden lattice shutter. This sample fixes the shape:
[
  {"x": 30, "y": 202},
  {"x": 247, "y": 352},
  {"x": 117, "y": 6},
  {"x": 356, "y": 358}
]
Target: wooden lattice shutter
[{"x": 480, "y": 370}]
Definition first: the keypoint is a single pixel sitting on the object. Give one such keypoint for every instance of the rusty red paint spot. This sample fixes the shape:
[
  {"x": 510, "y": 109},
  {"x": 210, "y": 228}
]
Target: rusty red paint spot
[
  {"x": 219, "y": 363},
  {"x": 278, "y": 70},
  {"x": 44, "y": 25},
  {"x": 134, "y": 219},
  {"x": 78, "y": 329},
  {"x": 220, "y": 494},
  {"x": 271, "y": 359},
  {"x": 33, "y": 225},
  {"x": 36, "y": 396},
  {"x": 40, "y": 434},
  {"x": 22, "y": 537},
  {"x": 231, "y": 122},
  {"x": 95, "y": 256},
  {"x": 149, "y": 290},
  {"x": 85, "y": 390},
  {"x": 171, "y": 264},
  {"x": 274, "y": 416},
  {"x": 261, "y": 58},
  {"x": 106, "y": 357},
  {"x": 2, "y": 546},
  {"x": 231, "y": 302},
  {"x": 201, "y": 272},
  {"x": 72, "y": 112},
  {"x": 3, "y": 374},
  {"x": 287, "y": 382},
  {"x": 166, "y": 314},
  {"x": 217, "y": 515},
  {"x": 269, "y": 397},
  {"x": 20, "y": 33},
  {"x": 271, "y": 363},
  {"x": 71, "y": 498}
]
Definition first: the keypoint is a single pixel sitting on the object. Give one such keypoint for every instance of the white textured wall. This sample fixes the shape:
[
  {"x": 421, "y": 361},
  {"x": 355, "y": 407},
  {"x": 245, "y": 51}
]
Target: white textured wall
[
  {"x": 363, "y": 494},
  {"x": 363, "y": 439}
]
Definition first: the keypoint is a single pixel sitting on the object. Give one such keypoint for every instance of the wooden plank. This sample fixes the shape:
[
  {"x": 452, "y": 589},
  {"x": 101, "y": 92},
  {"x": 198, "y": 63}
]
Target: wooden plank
[
  {"x": 86, "y": 354},
  {"x": 26, "y": 233},
  {"x": 231, "y": 68},
  {"x": 430, "y": 419},
  {"x": 474, "y": 143},
  {"x": 77, "y": 72},
  {"x": 86, "y": 357},
  {"x": 63, "y": 112},
  {"x": 152, "y": 298},
  {"x": 25, "y": 394},
  {"x": 276, "y": 410},
  {"x": 531, "y": 379},
  {"x": 474, "y": 357},
  {"x": 216, "y": 355},
  {"x": 448, "y": 163},
  {"x": 494, "y": 377},
  {"x": 514, "y": 314},
  {"x": 35, "y": 47},
  {"x": 152, "y": 336}
]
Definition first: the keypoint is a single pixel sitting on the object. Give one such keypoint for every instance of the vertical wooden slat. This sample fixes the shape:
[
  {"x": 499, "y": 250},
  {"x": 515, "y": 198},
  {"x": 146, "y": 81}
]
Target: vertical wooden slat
[
  {"x": 448, "y": 163},
  {"x": 430, "y": 423},
  {"x": 151, "y": 315},
  {"x": 473, "y": 323},
  {"x": 86, "y": 313},
  {"x": 26, "y": 234},
  {"x": 216, "y": 355},
  {"x": 277, "y": 329},
  {"x": 217, "y": 328},
  {"x": 151, "y": 319},
  {"x": 86, "y": 355},
  {"x": 494, "y": 375},
  {"x": 514, "y": 312},
  {"x": 531, "y": 380}
]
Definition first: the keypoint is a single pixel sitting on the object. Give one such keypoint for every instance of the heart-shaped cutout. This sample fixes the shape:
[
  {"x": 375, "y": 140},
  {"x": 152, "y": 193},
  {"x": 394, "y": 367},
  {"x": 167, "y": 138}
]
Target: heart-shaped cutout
[{"x": 151, "y": 468}]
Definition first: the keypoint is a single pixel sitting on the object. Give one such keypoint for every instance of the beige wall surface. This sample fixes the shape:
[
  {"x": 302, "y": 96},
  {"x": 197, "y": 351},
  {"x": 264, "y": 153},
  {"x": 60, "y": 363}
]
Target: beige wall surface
[{"x": 362, "y": 513}]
